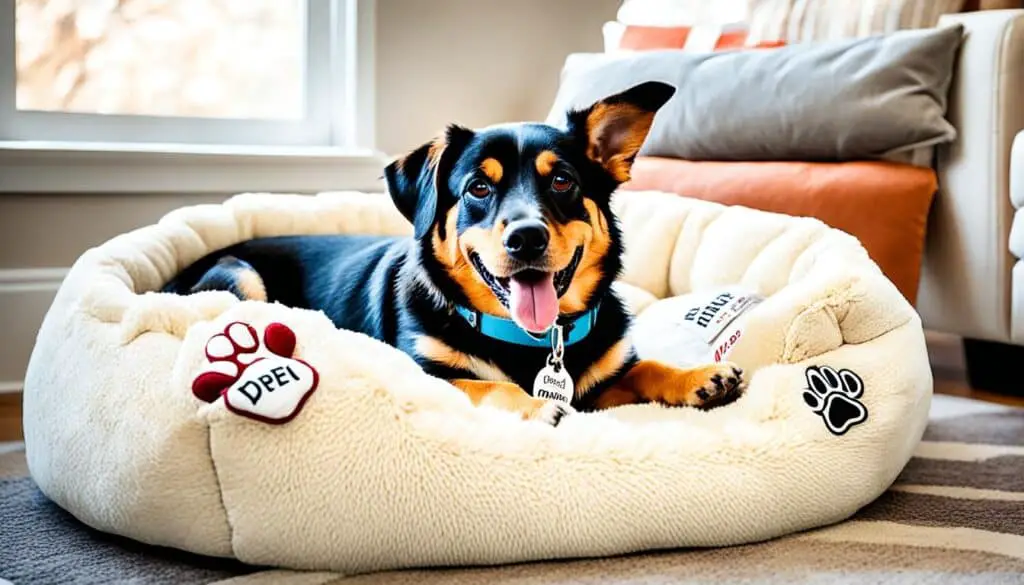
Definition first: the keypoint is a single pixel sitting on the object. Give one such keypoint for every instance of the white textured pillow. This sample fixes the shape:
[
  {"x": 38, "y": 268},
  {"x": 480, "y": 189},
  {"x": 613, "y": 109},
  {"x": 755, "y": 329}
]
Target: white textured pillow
[
  {"x": 612, "y": 32},
  {"x": 681, "y": 12}
]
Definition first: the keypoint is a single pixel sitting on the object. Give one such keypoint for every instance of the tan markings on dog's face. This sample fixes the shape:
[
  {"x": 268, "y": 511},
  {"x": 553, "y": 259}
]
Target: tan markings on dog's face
[
  {"x": 453, "y": 254},
  {"x": 545, "y": 162},
  {"x": 564, "y": 239},
  {"x": 594, "y": 236},
  {"x": 615, "y": 134},
  {"x": 487, "y": 243},
  {"x": 440, "y": 352},
  {"x": 493, "y": 169},
  {"x": 604, "y": 368}
]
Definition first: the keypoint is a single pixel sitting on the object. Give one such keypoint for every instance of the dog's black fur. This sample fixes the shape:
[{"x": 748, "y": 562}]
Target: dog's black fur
[{"x": 398, "y": 290}]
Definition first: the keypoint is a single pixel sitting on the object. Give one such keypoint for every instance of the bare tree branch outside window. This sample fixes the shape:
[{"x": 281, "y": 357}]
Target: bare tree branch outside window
[{"x": 196, "y": 58}]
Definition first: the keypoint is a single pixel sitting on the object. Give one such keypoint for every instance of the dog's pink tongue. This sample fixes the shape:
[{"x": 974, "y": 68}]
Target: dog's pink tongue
[{"x": 534, "y": 302}]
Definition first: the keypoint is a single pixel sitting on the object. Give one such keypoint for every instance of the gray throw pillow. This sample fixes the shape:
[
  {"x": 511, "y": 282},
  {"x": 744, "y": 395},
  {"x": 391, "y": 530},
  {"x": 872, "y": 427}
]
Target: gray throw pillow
[{"x": 844, "y": 100}]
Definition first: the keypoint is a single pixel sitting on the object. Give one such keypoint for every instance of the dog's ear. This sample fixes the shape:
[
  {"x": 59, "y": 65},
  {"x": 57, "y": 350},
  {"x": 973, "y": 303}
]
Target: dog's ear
[
  {"x": 615, "y": 128},
  {"x": 418, "y": 182}
]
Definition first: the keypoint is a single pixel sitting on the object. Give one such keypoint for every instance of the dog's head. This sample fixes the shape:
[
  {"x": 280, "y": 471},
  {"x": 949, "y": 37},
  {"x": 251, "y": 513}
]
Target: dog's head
[{"x": 515, "y": 219}]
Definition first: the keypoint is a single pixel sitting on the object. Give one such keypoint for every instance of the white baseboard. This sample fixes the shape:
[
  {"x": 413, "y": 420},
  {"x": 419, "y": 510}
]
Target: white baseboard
[
  {"x": 31, "y": 279},
  {"x": 25, "y": 296}
]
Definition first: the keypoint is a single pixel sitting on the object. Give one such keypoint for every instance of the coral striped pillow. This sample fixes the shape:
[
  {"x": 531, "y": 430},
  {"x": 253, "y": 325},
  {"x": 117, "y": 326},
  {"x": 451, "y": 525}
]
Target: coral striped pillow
[
  {"x": 698, "y": 39},
  {"x": 695, "y": 38}
]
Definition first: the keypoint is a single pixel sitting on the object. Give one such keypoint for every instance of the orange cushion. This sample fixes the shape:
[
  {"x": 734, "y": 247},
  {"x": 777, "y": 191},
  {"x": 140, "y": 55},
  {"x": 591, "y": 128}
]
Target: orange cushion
[
  {"x": 883, "y": 204},
  {"x": 649, "y": 38}
]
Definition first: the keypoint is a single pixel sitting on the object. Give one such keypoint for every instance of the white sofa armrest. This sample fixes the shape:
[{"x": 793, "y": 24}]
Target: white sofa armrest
[
  {"x": 1017, "y": 237},
  {"x": 966, "y": 278}
]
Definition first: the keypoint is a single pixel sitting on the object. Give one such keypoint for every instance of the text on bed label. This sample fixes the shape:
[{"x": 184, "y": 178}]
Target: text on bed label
[
  {"x": 276, "y": 378},
  {"x": 271, "y": 388}
]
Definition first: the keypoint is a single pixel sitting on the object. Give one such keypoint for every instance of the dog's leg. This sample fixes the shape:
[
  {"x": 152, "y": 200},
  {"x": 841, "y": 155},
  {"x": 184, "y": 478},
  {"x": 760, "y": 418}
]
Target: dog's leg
[
  {"x": 651, "y": 381},
  {"x": 508, "y": 396},
  {"x": 235, "y": 276},
  {"x": 617, "y": 396}
]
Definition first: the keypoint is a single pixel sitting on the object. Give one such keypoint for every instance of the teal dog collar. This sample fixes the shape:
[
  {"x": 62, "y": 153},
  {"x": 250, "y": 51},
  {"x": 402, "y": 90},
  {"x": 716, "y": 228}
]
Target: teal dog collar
[{"x": 506, "y": 330}]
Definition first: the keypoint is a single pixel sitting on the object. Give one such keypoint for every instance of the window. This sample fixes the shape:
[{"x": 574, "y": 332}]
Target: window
[{"x": 224, "y": 72}]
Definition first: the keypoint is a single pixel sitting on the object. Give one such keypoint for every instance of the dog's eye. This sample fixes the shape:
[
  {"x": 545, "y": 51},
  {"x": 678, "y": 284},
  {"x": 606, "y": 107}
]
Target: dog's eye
[
  {"x": 562, "y": 183},
  {"x": 479, "y": 188}
]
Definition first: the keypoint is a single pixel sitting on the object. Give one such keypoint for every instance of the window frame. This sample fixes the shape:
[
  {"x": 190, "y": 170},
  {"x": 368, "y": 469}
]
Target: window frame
[{"x": 338, "y": 92}]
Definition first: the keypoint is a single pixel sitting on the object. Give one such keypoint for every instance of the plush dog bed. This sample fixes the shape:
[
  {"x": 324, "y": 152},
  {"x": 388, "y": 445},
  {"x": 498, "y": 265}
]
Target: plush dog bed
[{"x": 372, "y": 464}]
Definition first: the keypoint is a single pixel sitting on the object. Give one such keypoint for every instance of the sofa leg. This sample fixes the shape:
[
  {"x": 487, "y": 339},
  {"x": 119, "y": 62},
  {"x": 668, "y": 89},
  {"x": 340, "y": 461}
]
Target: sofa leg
[{"x": 991, "y": 366}]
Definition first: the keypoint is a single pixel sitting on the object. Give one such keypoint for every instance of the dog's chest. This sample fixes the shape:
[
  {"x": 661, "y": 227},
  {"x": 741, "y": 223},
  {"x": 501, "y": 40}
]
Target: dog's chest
[{"x": 536, "y": 371}]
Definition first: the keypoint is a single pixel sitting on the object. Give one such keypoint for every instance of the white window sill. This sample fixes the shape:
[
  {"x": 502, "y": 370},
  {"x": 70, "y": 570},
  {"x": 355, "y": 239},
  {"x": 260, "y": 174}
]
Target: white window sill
[{"x": 87, "y": 167}]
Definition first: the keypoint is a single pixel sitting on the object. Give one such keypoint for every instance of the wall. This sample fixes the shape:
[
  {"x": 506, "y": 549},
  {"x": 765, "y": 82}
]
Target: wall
[
  {"x": 476, "y": 62},
  {"x": 42, "y": 235}
]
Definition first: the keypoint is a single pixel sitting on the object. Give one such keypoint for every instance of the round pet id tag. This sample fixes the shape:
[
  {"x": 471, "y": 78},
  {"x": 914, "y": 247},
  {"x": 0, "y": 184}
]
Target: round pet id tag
[{"x": 553, "y": 383}]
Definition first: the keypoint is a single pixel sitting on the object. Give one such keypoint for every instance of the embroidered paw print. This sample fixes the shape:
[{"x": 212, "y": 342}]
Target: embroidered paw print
[
  {"x": 259, "y": 381},
  {"x": 833, "y": 395}
]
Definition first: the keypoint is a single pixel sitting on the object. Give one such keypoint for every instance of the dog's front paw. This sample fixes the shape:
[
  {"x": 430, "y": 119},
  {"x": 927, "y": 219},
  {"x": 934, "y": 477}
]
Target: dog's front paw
[
  {"x": 714, "y": 385},
  {"x": 549, "y": 411}
]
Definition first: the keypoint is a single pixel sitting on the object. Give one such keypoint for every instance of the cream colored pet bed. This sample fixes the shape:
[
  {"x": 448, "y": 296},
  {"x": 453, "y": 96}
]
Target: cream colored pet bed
[{"x": 386, "y": 467}]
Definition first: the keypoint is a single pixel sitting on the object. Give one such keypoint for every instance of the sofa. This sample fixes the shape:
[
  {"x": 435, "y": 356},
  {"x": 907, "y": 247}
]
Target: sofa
[{"x": 970, "y": 282}]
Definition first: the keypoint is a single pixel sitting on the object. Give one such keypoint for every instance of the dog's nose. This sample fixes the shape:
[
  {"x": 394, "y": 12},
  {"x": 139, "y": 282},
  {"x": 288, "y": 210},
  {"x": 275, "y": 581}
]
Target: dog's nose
[{"x": 526, "y": 240}]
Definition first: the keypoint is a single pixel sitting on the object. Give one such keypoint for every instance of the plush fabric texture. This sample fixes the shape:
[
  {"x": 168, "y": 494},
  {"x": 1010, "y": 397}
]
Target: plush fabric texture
[
  {"x": 799, "y": 21},
  {"x": 953, "y": 516},
  {"x": 784, "y": 104},
  {"x": 386, "y": 467},
  {"x": 884, "y": 205}
]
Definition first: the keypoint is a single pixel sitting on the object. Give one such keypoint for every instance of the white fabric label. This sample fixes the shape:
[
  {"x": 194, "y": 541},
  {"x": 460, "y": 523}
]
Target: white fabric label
[
  {"x": 710, "y": 315},
  {"x": 692, "y": 329}
]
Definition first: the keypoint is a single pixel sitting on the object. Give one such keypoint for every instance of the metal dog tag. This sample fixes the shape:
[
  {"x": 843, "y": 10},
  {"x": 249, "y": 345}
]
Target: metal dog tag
[{"x": 553, "y": 382}]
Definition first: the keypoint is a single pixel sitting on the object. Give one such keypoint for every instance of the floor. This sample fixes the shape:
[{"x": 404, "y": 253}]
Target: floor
[
  {"x": 10, "y": 417},
  {"x": 943, "y": 350},
  {"x": 946, "y": 355},
  {"x": 959, "y": 387}
]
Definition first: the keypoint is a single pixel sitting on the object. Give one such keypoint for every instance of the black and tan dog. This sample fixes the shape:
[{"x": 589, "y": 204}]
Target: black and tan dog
[{"x": 513, "y": 234}]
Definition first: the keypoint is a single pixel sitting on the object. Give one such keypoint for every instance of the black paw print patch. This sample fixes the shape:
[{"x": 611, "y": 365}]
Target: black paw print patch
[{"x": 834, "y": 396}]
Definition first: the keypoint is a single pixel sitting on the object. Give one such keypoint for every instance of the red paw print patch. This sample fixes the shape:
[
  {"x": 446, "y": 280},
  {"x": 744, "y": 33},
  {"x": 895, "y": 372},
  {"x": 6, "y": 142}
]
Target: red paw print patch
[{"x": 261, "y": 381}]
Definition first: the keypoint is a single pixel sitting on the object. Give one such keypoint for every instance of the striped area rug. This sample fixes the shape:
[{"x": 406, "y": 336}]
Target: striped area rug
[{"x": 955, "y": 515}]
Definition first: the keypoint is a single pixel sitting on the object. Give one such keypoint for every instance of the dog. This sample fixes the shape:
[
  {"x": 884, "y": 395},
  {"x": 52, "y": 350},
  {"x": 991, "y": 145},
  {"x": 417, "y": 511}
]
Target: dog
[{"x": 514, "y": 243}]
